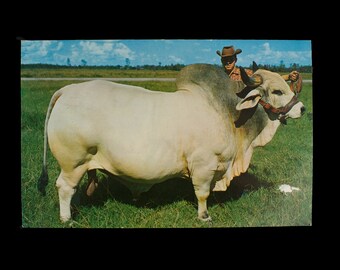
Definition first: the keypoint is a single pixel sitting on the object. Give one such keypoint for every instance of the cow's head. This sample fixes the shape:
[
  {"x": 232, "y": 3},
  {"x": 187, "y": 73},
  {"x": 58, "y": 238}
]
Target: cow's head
[{"x": 272, "y": 92}]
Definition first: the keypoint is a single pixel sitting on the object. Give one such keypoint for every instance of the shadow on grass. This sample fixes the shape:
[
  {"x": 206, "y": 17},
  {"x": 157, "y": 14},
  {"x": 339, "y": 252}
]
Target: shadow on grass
[{"x": 170, "y": 191}]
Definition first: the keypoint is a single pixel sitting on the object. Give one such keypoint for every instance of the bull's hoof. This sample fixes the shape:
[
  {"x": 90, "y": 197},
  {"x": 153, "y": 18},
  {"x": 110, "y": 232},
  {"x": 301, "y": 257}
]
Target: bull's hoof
[
  {"x": 208, "y": 219},
  {"x": 205, "y": 217},
  {"x": 67, "y": 223},
  {"x": 65, "y": 219}
]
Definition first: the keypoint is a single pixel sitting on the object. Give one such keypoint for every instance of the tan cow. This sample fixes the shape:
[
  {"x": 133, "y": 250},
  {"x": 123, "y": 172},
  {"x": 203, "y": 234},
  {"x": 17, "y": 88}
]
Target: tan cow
[{"x": 203, "y": 131}]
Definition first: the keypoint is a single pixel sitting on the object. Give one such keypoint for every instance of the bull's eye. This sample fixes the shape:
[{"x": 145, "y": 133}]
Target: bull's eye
[{"x": 277, "y": 92}]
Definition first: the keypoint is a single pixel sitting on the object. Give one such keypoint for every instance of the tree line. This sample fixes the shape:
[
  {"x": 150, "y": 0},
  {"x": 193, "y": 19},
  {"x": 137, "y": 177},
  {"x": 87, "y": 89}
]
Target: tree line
[
  {"x": 126, "y": 67},
  {"x": 283, "y": 68},
  {"x": 176, "y": 67}
]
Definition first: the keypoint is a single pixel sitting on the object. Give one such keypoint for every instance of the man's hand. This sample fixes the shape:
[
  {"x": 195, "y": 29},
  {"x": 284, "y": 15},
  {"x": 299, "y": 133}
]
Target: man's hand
[{"x": 294, "y": 76}]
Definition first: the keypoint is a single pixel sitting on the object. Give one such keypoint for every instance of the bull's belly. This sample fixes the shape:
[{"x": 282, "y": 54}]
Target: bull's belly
[{"x": 140, "y": 167}]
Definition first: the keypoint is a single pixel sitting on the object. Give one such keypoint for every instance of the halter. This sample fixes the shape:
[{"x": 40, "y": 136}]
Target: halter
[
  {"x": 280, "y": 111},
  {"x": 256, "y": 80}
]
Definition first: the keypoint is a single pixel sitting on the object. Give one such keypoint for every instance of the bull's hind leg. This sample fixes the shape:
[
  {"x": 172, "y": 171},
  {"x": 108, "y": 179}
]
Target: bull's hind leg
[{"x": 66, "y": 184}]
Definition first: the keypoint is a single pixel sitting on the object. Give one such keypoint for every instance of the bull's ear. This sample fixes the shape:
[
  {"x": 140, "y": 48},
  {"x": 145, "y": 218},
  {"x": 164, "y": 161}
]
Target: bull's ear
[{"x": 249, "y": 101}]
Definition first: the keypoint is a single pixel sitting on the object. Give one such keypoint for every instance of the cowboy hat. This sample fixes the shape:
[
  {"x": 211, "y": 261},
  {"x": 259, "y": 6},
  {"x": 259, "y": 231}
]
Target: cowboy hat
[{"x": 228, "y": 51}]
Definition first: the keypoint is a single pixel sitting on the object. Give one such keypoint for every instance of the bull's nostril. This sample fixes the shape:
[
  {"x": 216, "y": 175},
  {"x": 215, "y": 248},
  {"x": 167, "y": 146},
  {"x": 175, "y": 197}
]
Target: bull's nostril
[{"x": 303, "y": 109}]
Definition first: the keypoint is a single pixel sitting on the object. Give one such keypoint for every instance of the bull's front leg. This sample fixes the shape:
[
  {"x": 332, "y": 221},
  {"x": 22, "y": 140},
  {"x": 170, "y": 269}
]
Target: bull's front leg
[
  {"x": 202, "y": 186},
  {"x": 202, "y": 194}
]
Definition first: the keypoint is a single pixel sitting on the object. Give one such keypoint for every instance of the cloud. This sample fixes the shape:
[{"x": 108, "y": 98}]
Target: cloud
[
  {"x": 60, "y": 58},
  {"x": 93, "y": 48},
  {"x": 60, "y": 45},
  {"x": 75, "y": 52},
  {"x": 39, "y": 51},
  {"x": 175, "y": 59},
  {"x": 266, "y": 55},
  {"x": 266, "y": 49},
  {"x": 101, "y": 52},
  {"x": 43, "y": 50},
  {"x": 121, "y": 50},
  {"x": 293, "y": 55}
]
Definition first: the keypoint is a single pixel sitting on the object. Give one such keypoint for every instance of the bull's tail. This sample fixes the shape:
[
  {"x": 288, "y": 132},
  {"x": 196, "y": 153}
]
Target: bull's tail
[{"x": 43, "y": 179}]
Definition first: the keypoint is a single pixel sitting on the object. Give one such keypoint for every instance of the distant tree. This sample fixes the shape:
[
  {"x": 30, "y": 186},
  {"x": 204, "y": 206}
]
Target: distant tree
[
  {"x": 68, "y": 61},
  {"x": 127, "y": 62},
  {"x": 159, "y": 64},
  {"x": 282, "y": 65},
  {"x": 295, "y": 66},
  {"x": 83, "y": 62}
]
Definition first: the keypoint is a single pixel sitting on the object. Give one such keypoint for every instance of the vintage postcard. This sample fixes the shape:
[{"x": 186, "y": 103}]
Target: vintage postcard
[{"x": 167, "y": 133}]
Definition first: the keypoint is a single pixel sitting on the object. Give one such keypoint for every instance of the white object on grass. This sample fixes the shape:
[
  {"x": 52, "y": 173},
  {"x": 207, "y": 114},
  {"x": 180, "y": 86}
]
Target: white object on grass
[{"x": 287, "y": 188}]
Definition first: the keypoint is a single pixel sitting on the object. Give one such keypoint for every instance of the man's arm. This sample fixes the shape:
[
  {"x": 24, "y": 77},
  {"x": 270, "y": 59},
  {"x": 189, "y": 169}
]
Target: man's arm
[
  {"x": 285, "y": 77},
  {"x": 293, "y": 76}
]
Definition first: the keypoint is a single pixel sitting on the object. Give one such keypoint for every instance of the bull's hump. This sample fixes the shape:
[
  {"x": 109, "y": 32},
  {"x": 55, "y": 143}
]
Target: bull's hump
[{"x": 196, "y": 72}]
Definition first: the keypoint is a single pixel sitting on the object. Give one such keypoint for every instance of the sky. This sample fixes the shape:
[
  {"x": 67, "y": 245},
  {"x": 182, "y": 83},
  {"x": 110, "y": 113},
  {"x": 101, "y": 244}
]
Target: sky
[{"x": 163, "y": 51}]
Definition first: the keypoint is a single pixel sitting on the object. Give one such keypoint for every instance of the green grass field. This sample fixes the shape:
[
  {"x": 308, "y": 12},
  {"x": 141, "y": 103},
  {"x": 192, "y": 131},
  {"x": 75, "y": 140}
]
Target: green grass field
[{"x": 253, "y": 199}]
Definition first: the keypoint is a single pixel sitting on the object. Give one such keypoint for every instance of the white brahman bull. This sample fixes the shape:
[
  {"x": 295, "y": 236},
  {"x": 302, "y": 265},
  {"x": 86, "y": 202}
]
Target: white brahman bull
[{"x": 204, "y": 131}]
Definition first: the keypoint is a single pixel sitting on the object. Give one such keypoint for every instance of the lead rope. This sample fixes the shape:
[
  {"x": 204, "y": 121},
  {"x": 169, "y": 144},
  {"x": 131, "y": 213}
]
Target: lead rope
[{"x": 296, "y": 86}]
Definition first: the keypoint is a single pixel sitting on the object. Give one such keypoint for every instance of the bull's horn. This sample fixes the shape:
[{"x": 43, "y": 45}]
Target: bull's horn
[
  {"x": 255, "y": 66},
  {"x": 244, "y": 92},
  {"x": 252, "y": 81}
]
